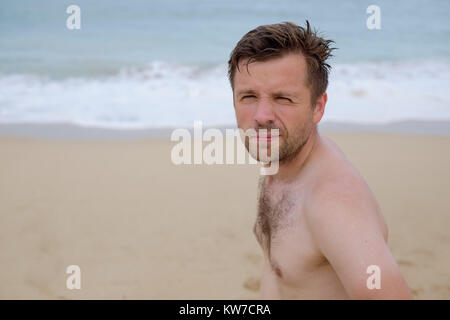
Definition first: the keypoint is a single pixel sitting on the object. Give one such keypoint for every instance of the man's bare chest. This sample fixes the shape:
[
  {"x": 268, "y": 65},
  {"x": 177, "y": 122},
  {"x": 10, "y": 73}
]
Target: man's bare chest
[{"x": 281, "y": 231}]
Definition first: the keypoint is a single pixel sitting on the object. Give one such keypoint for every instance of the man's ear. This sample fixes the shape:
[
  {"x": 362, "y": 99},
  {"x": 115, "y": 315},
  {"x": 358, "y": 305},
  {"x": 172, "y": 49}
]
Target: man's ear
[{"x": 319, "y": 108}]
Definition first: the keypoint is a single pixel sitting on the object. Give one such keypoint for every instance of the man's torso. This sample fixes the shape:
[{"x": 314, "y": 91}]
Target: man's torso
[{"x": 294, "y": 268}]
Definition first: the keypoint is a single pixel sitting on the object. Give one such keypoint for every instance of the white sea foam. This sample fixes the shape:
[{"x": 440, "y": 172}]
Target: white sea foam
[
  {"x": 389, "y": 91},
  {"x": 169, "y": 95}
]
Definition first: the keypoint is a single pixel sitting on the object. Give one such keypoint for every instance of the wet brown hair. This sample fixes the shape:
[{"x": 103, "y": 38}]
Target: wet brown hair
[{"x": 275, "y": 40}]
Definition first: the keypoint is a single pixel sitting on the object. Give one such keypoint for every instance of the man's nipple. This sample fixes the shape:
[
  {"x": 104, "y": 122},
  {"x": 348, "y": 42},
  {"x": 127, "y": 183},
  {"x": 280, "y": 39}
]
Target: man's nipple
[
  {"x": 278, "y": 272},
  {"x": 276, "y": 269}
]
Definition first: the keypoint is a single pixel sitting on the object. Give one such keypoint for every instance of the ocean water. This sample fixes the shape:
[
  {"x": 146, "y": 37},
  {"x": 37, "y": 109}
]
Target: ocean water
[{"x": 146, "y": 64}]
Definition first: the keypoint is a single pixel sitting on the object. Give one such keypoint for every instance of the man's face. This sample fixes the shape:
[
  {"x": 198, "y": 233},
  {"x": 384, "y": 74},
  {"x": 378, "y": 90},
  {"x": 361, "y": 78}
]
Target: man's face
[{"x": 274, "y": 95}]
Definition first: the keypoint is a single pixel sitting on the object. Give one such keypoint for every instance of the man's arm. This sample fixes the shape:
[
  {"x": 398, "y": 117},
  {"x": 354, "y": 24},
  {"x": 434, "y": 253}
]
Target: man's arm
[{"x": 345, "y": 230}]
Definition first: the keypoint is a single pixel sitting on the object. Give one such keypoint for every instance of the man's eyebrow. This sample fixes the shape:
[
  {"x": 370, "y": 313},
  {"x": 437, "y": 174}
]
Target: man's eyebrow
[
  {"x": 276, "y": 93},
  {"x": 284, "y": 94},
  {"x": 246, "y": 91}
]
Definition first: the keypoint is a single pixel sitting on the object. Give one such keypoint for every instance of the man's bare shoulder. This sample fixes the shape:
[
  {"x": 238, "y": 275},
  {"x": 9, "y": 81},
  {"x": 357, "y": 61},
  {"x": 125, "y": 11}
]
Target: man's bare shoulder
[{"x": 338, "y": 191}]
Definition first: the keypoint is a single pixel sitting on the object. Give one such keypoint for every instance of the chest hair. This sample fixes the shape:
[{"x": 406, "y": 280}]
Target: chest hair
[{"x": 275, "y": 207}]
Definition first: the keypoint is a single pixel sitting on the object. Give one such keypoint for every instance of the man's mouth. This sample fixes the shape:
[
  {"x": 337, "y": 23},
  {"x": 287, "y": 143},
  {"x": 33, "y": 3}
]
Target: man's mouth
[{"x": 267, "y": 137}]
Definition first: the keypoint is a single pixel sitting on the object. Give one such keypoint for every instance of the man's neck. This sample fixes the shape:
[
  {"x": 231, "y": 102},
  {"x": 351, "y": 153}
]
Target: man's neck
[{"x": 289, "y": 170}]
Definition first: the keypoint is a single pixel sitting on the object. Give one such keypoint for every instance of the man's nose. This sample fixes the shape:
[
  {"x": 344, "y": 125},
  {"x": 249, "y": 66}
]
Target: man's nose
[{"x": 264, "y": 113}]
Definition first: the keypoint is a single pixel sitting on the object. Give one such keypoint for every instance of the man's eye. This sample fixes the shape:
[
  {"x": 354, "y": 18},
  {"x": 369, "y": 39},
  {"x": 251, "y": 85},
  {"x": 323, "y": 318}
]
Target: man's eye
[
  {"x": 244, "y": 97},
  {"x": 284, "y": 98}
]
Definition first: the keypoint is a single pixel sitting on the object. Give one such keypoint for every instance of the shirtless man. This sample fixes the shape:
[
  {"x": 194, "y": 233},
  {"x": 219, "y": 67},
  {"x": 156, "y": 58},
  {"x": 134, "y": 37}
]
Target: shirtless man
[{"x": 318, "y": 222}]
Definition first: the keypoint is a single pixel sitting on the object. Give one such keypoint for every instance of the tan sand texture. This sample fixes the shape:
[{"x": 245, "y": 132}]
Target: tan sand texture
[{"x": 141, "y": 227}]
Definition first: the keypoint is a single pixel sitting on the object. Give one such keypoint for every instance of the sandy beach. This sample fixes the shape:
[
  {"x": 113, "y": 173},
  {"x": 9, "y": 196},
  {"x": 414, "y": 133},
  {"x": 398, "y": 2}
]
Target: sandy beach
[{"x": 141, "y": 227}]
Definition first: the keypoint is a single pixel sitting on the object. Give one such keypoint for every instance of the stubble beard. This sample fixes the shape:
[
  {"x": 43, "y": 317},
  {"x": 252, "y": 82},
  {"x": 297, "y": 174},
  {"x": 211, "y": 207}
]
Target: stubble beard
[{"x": 290, "y": 145}]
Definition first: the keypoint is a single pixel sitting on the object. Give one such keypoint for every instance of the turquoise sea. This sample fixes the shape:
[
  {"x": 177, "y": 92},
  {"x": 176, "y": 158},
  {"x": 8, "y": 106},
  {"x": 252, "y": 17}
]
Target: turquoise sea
[{"x": 161, "y": 63}]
